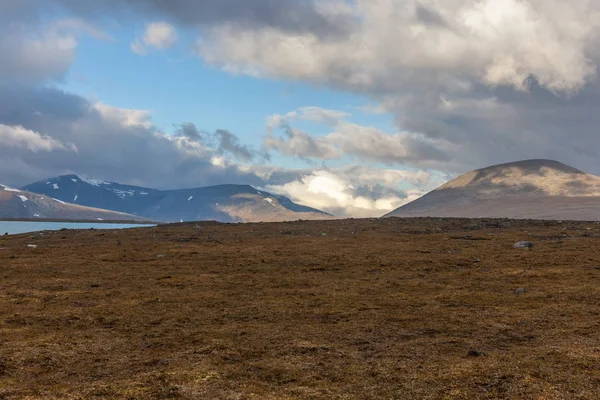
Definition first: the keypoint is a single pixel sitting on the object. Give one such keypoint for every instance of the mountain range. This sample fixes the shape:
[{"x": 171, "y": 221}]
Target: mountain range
[
  {"x": 20, "y": 204},
  {"x": 224, "y": 203},
  {"x": 530, "y": 189}
]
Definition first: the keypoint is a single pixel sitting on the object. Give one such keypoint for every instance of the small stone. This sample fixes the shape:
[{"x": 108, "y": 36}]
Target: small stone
[
  {"x": 474, "y": 353},
  {"x": 520, "y": 291},
  {"x": 523, "y": 245},
  {"x": 32, "y": 246},
  {"x": 161, "y": 256},
  {"x": 324, "y": 234}
]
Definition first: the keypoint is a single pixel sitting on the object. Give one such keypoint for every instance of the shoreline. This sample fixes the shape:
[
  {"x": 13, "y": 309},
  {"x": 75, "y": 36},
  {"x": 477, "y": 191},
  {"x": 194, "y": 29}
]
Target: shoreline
[{"x": 80, "y": 221}]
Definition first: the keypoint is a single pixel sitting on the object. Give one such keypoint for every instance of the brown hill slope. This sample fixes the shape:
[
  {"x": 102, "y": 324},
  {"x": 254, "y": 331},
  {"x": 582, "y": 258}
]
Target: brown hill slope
[
  {"x": 537, "y": 189},
  {"x": 19, "y": 204}
]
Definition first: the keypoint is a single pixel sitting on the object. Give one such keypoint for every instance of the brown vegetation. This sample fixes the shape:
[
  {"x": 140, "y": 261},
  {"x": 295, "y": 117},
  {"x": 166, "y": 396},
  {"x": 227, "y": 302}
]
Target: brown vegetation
[{"x": 355, "y": 309}]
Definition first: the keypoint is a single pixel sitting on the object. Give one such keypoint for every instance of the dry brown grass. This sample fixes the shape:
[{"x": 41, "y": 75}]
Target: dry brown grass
[{"x": 377, "y": 309}]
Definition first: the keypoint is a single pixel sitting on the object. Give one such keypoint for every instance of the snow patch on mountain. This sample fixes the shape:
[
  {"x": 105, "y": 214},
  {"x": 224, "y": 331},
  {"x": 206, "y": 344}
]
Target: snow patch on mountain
[
  {"x": 123, "y": 193},
  {"x": 23, "y": 198},
  {"x": 270, "y": 201},
  {"x": 93, "y": 182}
]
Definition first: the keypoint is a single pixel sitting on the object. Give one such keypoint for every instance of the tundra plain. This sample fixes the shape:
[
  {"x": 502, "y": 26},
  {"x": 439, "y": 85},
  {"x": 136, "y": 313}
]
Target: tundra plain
[{"x": 423, "y": 308}]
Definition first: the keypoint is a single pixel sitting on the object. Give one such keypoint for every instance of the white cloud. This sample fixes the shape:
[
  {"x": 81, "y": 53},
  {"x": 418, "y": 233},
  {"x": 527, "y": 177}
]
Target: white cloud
[
  {"x": 160, "y": 35},
  {"x": 127, "y": 118},
  {"x": 495, "y": 42},
  {"x": 17, "y": 137},
  {"x": 78, "y": 25},
  {"x": 138, "y": 48},
  {"x": 356, "y": 191}
]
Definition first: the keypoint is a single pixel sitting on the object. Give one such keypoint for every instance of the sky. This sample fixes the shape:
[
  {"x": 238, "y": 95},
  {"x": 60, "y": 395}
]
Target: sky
[{"x": 355, "y": 107}]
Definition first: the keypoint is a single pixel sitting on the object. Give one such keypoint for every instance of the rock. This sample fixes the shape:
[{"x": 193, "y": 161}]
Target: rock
[
  {"x": 32, "y": 246},
  {"x": 474, "y": 353},
  {"x": 324, "y": 234},
  {"x": 520, "y": 291},
  {"x": 523, "y": 245},
  {"x": 161, "y": 256}
]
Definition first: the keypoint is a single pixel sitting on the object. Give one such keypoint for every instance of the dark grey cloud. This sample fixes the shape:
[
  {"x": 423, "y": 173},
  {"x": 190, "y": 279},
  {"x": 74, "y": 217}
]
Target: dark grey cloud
[
  {"x": 288, "y": 15},
  {"x": 429, "y": 16},
  {"x": 230, "y": 144},
  {"x": 189, "y": 130},
  {"x": 488, "y": 126},
  {"x": 102, "y": 141},
  {"x": 223, "y": 141}
]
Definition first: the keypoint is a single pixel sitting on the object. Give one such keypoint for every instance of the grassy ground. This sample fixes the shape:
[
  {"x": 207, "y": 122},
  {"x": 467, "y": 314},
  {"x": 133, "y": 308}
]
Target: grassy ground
[{"x": 373, "y": 309}]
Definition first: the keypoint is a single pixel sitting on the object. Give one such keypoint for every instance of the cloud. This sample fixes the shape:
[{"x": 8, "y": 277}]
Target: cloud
[
  {"x": 223, "y": 142},
  {"x": 330, "y": 17},
  {"x": 318, "y": 114},
  {"x": 470, "y": 83},
  {"x": 498, "y": 43},
  {"x": 300, "y": 144},
  {"x": 230, "y": 144},
  {"x": 160, "y": 35},
  {"x": 356, "y": 191},
  {"x": 78, "y": 25},
  {"x": 35, "y": 57},
  {"x": 42, "y": 126},
  {"x": 17, "y": 137},
  {"x": 367, "y": 144},
  {"x": 138, "y": 47},
  {"x": 189, "y": 130},
  {"x": 35, "y": 50}
]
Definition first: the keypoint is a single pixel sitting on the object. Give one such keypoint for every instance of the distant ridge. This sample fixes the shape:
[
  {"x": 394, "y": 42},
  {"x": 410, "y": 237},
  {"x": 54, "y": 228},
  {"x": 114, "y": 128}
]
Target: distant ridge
[
  {"x": 20, "y": 204},
  {"x": 536, "y": 189},
  {"x": 223, "y": 203}
]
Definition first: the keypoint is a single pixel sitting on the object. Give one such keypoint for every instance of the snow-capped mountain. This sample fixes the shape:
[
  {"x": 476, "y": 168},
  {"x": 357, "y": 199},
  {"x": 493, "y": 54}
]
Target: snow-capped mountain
[
  {"x": 20, "y": 204},
  {"x": 225, "y": 203}
]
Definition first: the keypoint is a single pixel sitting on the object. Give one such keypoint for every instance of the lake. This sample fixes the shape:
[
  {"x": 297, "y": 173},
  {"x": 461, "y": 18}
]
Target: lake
[{"x": 17, "y": 227}]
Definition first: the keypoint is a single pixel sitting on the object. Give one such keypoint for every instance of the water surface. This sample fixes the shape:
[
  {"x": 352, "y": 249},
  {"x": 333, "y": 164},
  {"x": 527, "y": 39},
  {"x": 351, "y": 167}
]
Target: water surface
[{"x": 17, "y": 227}]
